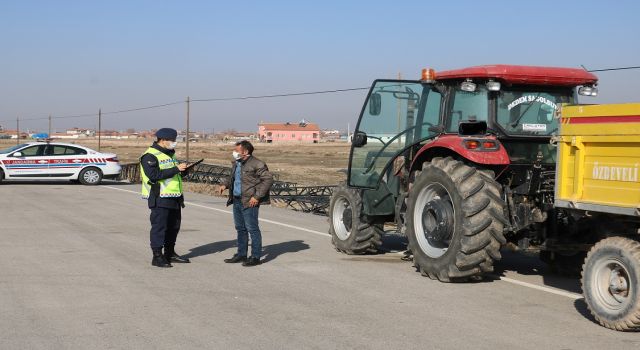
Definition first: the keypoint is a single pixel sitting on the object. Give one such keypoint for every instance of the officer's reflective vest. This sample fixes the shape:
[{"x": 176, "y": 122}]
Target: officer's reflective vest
[{"x": 168, "y": 187}]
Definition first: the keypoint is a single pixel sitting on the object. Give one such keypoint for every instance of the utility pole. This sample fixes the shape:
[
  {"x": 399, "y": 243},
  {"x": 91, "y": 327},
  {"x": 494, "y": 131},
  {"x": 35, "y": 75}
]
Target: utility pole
[
  {"x": 187, "y": 139},
  {"x": 17, "y": 130},
  {"x": 399, "y": 107},
  {"x": 49, "y": 136},
  {"x": 99, "y": 127}
]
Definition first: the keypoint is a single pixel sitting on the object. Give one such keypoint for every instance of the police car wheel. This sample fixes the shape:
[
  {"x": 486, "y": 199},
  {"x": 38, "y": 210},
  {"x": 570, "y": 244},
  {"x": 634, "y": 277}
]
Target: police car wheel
[
  {"x": 1, "y": 175},
  {"x": 90, "y": 176}
]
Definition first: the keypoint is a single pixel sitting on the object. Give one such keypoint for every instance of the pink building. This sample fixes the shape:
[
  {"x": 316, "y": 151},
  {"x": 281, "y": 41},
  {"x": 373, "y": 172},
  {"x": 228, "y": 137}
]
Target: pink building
[{"x": 289, "y": 132}]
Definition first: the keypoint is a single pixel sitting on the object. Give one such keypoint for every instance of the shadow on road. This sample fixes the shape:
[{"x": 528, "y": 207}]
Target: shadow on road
[
  {"x": 581, "y": 307},
  {"x": 392, "y": 242},
  {"x": 531, "y": 265},
  {"x": 273, "y": 251},
  {"x": 270, "y": 252},
  {"x": 59, "y": 182},
  {"x": 520, "y": 263},
  {"x": 210, "y": 248}
]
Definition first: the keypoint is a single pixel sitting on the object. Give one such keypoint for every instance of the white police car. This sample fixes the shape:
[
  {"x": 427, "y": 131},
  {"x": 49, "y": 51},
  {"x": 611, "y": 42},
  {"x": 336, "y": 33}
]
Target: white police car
[{"x": 51, "y": 160}]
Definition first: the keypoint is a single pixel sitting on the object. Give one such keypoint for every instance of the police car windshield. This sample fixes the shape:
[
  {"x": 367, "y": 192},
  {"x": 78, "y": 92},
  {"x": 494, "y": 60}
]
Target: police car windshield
[{"x": 12, "y": 148}]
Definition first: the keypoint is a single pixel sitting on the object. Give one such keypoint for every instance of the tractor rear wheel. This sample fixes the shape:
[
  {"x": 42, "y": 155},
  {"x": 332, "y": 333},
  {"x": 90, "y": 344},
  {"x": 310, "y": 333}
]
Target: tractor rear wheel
[
  {"x": 351, "y": 231},
  {"x": 611, "y": 283},
  {"x": 455, "y": 220}
]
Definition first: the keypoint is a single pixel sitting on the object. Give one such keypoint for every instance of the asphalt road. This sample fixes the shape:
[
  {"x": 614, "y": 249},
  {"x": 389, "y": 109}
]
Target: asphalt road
[{"x": 76, "y": 275}]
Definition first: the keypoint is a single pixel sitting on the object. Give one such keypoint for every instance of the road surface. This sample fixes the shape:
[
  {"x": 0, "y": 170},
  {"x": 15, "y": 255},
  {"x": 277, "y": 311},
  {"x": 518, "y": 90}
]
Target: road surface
[{"x": 77, "y": 275}]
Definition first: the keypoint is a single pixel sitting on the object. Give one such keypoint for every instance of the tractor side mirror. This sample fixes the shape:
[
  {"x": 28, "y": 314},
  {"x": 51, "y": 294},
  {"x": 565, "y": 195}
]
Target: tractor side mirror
[
  {"x": 17, "y": 154},
  {"x": 375, "y": 104},
  {"x": 359, "y": 139},
  {"x": 472, "y": 127}
]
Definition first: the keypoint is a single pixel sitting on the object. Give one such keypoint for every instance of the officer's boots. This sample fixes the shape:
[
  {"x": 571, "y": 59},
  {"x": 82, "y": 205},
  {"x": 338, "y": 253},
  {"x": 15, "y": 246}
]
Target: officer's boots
[
  {"x": 171, "y": 255},
  {"x": 158, "y": 259}
]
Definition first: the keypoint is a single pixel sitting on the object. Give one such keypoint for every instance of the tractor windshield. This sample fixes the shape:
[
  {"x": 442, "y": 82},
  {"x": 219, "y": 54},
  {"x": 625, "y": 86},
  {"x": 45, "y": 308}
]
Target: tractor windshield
[
  {"x": 397, "y": 114},
  {"x": 530, "y": 111}
]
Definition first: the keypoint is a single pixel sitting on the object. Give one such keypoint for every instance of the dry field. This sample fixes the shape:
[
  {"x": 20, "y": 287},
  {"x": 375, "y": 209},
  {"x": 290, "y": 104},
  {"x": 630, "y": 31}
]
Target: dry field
[{"x": 306, "y": 164}]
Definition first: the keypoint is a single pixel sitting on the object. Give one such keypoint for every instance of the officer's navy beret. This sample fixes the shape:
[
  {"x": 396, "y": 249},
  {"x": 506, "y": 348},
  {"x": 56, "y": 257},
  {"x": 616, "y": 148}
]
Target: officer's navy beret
[{"x": 167, "y": 134}]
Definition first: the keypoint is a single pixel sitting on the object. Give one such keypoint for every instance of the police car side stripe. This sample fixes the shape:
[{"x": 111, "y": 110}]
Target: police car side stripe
[{"x": 35, "y": 166}]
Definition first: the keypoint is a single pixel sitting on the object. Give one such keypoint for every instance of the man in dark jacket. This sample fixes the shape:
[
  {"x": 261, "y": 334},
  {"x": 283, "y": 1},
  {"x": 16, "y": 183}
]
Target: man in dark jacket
[
  {"x": 249, "y": 186},
  {"x": 162, "y": 186}
]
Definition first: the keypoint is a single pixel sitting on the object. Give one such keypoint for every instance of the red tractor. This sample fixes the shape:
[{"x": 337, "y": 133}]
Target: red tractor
[{"x": 462, "y": 161}]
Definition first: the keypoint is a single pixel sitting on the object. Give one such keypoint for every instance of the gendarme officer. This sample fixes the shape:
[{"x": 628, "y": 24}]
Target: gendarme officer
[{"x": 162, "y": 186}]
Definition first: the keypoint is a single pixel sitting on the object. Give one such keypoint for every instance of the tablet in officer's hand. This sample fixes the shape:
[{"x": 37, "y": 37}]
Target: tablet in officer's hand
[{"x": 190, "y": 166}]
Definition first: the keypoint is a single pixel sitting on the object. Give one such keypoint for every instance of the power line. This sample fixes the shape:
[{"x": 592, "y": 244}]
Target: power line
[
  {"x": 611, "y": 69},
  {"x": 278, "y": 95},
  {"x": 196, "y": 100},
  {"x": 75, "y": 116},
  {"x": 143, "y": 108},
  {"x": 220, "y": 99},
  {"x": 96, "y": 114}
]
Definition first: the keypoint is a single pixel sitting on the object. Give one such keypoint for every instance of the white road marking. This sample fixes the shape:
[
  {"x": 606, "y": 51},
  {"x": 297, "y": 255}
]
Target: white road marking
[
  {"x": 574, "y": 296},
  {"x": 555, "y": 291},
  {"x": 230, "y": 212}
]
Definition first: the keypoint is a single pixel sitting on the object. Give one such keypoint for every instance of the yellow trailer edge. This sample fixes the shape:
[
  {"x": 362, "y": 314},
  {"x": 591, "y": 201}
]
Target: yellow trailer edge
[{"x": 598, "y": 166}]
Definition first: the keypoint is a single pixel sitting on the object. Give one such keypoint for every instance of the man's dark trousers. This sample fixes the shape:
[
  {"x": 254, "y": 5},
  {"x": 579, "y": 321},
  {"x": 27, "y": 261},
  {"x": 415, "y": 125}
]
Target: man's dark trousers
[
  {"x": 246, "y": 222},
  {"x": 165, "y": 225}
]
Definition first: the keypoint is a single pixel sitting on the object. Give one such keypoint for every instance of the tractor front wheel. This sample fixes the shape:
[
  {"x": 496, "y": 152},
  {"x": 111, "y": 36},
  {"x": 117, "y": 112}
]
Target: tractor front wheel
[
  {"x": 351, "y": 231},
  {"x": 455, "y": 220}
]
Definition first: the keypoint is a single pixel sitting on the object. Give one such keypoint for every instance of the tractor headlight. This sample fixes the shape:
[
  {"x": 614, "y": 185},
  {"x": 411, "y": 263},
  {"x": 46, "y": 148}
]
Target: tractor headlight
[
  {"x": 493, "y": 85},
  {"x": 468, "y": 86}
]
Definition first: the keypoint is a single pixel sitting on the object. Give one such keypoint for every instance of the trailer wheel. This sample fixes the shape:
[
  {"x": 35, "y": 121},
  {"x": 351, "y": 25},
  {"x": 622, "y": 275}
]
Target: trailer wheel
[
  {"x": 611, "y": 283},
  {"x": 351, "y": 231},
  {"x": 455, "y": 220}
]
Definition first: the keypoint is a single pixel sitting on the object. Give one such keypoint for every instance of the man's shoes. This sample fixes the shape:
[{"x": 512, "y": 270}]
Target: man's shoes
[
  {"x": 177, "y": 258},
  {"x": 159, "y": 260},
  {"x": 171, "y": 255},
  {"x": 236, "y": 259},
  {"x": 252, "y": 261}
]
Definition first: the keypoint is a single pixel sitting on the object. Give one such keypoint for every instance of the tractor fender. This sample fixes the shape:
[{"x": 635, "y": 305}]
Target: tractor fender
[{"x": 452, "y": 145}]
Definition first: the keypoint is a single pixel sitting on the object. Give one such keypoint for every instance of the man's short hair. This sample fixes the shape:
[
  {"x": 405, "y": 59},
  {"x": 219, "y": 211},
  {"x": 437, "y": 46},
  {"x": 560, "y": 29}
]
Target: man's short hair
[{"x": 246, "y": 145}]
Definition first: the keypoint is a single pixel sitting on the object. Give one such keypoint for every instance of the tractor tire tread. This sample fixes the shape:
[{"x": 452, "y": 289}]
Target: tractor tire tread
[
  {"x": 483, "y": 224},
  {"x": 366, "y": 231}
]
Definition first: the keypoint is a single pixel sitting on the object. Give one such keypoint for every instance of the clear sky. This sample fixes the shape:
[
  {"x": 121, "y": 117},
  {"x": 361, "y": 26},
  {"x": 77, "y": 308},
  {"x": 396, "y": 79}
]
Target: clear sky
[{"x": 72, "y": 57}]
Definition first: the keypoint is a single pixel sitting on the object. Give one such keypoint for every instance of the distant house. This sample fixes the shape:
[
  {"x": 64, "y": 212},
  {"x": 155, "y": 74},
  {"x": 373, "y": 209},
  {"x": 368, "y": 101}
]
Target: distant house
[
  {"x": 12, "y": 134},
  {"x": 64, "y": 135},
  {"x": 289, "y": 132},
  {"x": 81, "y": 132},
  {"x": 239, "y": 136},
  {"x": 330, "y": 135},
  {"x": 110, "y": 134},
  {"x": 147, "y": 134}
]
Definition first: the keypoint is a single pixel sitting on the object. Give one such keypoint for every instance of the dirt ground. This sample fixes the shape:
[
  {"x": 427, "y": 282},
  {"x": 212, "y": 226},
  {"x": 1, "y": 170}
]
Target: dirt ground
[{"x": 305, "y": 164}]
